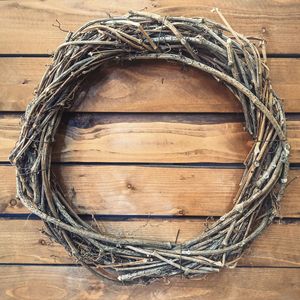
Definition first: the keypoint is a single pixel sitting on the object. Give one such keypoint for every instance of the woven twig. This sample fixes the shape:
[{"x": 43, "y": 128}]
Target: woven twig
[{"x": 238, "y": 62}]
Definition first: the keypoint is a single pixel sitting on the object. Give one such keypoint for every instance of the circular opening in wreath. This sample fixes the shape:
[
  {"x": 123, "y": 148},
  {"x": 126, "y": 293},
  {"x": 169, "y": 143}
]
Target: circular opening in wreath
[{"x": 137, "y": 99}]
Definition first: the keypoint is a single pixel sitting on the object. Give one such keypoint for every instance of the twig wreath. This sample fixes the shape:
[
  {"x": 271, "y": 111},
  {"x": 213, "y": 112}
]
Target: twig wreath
[{"x": 200, "y": 43}]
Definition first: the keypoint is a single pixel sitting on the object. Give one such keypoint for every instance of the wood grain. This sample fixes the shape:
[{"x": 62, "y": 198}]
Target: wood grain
[
  {"x": 48, "y": 282},
  {"x": 23, "y": 242},
  {"x": 26, "y": 26},
  {"x": 144, "y": 87},
  {"x": 145, "y": 190},
  {"x": 164, "y": 139}
]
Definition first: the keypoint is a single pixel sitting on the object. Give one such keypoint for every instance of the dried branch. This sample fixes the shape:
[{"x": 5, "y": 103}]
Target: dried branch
[{"x": 200, "y": 43}]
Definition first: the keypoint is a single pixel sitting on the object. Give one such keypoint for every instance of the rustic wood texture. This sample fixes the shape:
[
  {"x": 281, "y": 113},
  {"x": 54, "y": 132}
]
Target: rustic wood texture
[
  {"x": 23, "y": 242},
  {"x": 76, "y": 283},
  {"x": 30, "y": 21},
  {"x": 26, "y": 28},
  {"x": 169, "y": 140},
  {"x": 146, "y": 190},
  {"x": 175, "y": 89}
]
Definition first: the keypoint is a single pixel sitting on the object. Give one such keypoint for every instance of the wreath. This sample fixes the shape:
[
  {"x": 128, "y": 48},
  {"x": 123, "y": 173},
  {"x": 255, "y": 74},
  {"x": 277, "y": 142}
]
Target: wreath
[{"x": 237, "y": 61}]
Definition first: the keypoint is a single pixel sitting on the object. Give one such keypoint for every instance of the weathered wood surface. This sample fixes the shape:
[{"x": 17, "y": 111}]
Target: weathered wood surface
[
  {"x": 146, "y": 190},
  {"x": 155, "y": 139},
  {"x": 150, "y": 87},
  {"x": 23, "y": 242},
  {"x": 18, "y": 282},
  {"x": 26, "y": 26},
  {"x": 154, "y": 135}
]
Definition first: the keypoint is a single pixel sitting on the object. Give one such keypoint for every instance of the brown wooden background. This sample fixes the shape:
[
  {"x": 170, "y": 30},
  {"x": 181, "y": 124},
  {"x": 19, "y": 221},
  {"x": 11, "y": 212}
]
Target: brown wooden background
[{"x": 152, "y": 149}]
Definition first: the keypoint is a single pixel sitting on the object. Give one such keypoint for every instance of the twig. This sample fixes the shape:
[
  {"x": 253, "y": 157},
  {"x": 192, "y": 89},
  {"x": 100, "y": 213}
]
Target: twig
[{"x": 195, "y": 42}]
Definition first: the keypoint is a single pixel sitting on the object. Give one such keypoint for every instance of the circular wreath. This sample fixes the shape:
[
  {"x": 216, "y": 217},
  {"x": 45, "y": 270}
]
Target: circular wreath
[{"x": 200, "y": 43}]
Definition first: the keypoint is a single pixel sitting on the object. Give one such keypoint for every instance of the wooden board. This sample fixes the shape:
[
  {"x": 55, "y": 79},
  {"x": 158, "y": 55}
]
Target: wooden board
[
  {"x": 26, "y": 26},
  {"x": 95, "y": 138},
  {"x": 146, "y": 190},
  {"x": 23, "y": 242},
  {"x": 144, "y": 87},
  {"x": 20, "y": 282},
  {"x": 126, "y": 120}
]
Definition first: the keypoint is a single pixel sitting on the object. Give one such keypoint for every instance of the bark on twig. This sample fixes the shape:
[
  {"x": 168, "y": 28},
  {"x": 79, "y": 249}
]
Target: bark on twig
[{"x": 200, "y": 43}]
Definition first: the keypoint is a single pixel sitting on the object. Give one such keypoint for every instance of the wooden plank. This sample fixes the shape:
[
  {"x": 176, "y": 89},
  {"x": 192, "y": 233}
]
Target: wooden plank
[
  {"x": 26, "y": 26},
  {"x": 23, "y": 242},
  {"x": 142, "y": 190},
  {"x": 49, "y": 282},
  {"x": 19, "y": 78},
  {"x": 165, "y": 139},
  {"x": 144, "y": 87}
]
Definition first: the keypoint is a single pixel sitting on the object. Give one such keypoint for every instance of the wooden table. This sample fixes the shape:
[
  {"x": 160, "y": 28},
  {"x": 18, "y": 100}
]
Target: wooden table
[{"x": 154, "y": 149}]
